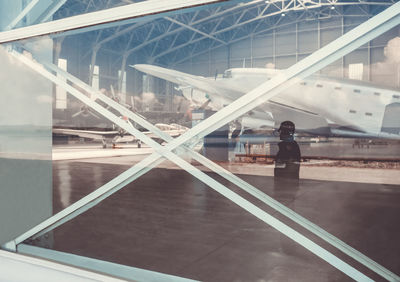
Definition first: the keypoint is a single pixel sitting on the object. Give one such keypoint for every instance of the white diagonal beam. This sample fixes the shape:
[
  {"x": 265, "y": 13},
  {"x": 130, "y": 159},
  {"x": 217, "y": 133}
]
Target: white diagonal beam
[
  {"x": 110, "y": 17},
  {"x": 146, "y": 165}
]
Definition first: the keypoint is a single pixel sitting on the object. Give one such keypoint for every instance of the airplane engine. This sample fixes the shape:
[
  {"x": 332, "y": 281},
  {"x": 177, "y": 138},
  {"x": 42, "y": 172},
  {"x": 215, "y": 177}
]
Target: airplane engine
[{"x": 257, "y": 123}]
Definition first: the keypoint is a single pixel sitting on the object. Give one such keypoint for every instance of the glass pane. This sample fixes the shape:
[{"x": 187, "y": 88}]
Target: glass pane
[
  {"x": 25, "y": 147},
  {"x": 327, "y": 147}
]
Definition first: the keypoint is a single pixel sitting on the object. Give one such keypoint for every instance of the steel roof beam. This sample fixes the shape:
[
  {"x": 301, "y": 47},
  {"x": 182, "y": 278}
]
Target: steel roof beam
[
  {"x": 261, "y": 17},
  {"x": 276, "y": 25},
  {"x": 45, "y": 16},
  {"x": 217, "y": 14},
  {"x": 182, "y": 28},
  {"x": 22, "y": 14},
  {"x": 195, "y": 30}
]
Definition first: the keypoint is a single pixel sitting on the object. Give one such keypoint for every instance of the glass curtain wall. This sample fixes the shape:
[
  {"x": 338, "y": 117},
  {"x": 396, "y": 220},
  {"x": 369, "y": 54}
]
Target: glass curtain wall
[{"x": 112, "y": 101}]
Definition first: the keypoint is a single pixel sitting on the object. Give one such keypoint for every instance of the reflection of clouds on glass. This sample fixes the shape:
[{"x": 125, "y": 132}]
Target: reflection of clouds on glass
[
  {"x": 146, "y": 101},
  {"x": 97, "y": 176},
  {"x": 148, "y": 98},
  {"x": 392, "y": 50},
  {"x": 180, "y": 104},
  {"x": 25, "y": 97},
  {"x": 270, "y": 66},
  {"x": 44, "y": 99},
  {"x": 385, "y": 72},
  {"x": 41, "y": 48},
  {"x": 388, "y": 71}
]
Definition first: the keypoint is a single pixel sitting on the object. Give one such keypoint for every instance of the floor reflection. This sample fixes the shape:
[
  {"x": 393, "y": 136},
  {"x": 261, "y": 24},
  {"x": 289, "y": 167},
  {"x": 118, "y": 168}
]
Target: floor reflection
[
  {"x": 170, "y": 222},
  {"x": 64, "y": 187}
]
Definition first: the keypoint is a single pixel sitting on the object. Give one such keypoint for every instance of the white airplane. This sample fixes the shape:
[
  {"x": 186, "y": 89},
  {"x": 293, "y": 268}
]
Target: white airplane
[
  {"x": 121, "y": 136},
  {"x": 318, "y": 105}
]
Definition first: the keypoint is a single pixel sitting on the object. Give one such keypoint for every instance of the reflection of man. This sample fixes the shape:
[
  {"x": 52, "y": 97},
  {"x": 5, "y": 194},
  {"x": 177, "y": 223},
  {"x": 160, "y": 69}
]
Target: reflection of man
[
  {"x": 287, "y": 161},
  {"x": 286, "y": 180}
]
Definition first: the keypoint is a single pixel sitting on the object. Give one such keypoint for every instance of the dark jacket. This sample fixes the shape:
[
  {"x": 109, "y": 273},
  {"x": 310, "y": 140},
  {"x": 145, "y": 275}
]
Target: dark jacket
[{"x": 287, "y": 161}]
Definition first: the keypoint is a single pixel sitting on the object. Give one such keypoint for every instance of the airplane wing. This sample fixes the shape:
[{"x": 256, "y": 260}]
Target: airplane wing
[
  {"x": 96, "y": 135},
  {"x": 211, "y": 87},
  {"x": 227, "y": 94}
]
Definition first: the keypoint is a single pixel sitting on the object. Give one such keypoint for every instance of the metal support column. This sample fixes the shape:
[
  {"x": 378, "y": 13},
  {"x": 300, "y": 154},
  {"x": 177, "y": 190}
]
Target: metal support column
[{"x": 92, "y": 64}]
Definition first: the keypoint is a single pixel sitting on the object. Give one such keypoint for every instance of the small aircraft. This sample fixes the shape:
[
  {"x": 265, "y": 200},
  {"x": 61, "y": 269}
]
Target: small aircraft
[
  {"x": 319, "y": 105},
  {"x": 120, "y": 135}
]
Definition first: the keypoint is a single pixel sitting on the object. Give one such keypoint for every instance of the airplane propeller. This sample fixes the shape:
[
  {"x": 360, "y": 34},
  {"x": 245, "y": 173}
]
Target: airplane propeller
[{"x": 85, "y": 112}]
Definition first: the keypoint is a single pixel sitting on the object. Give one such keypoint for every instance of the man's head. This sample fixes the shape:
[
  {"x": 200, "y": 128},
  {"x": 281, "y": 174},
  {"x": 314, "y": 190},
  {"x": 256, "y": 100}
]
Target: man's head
[{"x": 286, "y": 130}]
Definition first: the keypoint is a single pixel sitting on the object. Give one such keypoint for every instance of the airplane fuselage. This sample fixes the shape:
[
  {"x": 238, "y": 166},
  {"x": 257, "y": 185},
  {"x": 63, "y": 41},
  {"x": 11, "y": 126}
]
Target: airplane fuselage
[
  {"x": 317, "y": 104},
  {"x": 346, "y": 103}
]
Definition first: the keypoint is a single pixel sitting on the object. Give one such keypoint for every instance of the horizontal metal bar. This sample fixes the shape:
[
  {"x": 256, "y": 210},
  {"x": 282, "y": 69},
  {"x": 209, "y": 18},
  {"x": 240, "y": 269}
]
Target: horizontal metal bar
[
  {"x": 115, "y": 269},
  {"x": 320, "y": 157},
  {"x": 113, "y": 16},
  {"x": 19, "y": 267}
]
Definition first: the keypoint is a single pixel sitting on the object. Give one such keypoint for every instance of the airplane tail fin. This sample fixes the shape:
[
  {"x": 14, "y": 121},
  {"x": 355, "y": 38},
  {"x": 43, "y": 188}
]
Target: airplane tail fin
[{"x": 391, "y": 121}]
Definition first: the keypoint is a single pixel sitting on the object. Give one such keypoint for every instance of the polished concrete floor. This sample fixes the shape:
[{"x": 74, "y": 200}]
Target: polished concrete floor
[{"x": 170, "y": 222}]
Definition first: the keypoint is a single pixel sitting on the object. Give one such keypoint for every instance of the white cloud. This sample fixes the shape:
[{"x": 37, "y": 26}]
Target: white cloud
[
  {"x": 44, "y": 99},
  {"x": 392, "y": 50}
]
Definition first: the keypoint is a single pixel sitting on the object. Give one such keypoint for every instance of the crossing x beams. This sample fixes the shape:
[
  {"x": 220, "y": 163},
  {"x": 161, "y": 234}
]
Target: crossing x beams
[
  {"x": 235, "y": 180},
  {"x": 147, "y": 164}
]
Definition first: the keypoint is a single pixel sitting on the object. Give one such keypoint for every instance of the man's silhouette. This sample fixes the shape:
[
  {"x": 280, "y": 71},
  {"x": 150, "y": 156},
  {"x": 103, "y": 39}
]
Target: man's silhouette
[{"x": 287, "y": 161}]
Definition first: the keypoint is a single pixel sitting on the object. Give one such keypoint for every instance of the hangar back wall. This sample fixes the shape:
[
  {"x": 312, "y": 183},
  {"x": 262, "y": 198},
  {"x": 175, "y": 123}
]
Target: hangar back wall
[{"x": 283, "y": 46}]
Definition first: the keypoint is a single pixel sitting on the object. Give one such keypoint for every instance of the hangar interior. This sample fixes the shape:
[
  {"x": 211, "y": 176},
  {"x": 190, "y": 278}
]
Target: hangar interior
[
  {"x": 175, "y": 68},
  {"x": 208, "y": 42}
]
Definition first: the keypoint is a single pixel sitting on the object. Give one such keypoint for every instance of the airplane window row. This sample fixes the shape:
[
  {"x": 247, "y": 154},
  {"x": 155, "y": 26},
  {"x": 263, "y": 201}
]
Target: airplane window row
[
  {"x": 354, "y": 90},
  {"x": 354, "y": 111}
]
